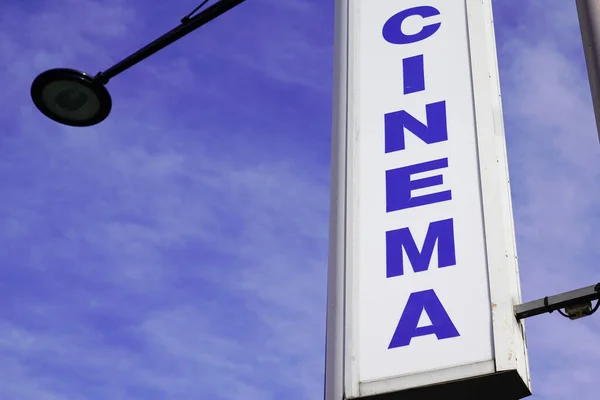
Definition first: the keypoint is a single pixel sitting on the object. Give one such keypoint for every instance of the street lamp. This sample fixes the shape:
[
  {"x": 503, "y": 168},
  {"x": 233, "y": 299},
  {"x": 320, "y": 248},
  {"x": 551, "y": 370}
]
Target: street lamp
[{"x": 75, "y": 98}]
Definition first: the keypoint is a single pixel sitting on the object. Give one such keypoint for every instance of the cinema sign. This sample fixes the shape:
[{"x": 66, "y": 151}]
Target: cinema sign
[{"x": 423, "y": 271}]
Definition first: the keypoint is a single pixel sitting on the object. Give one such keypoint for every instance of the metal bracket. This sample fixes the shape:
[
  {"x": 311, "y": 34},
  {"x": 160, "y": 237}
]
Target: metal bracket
[{"x": 549, "y": 304}]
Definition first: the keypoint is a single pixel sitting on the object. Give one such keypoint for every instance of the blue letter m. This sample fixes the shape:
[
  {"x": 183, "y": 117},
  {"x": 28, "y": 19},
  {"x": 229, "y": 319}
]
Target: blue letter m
[{"x": 400, "y": 240}]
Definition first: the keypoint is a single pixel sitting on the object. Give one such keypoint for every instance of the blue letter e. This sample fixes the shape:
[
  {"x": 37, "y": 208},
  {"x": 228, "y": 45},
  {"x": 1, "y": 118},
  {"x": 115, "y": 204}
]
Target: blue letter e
[{"x": 441, "y": 325}]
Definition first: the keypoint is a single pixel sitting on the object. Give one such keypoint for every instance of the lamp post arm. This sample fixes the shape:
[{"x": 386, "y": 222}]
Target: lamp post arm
[
  {"x": 188, "y": 24},
  {"x": 563, "y": 300}
]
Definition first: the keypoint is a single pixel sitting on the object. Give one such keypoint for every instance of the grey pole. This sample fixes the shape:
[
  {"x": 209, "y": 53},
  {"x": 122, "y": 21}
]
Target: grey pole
[
  {"x": 589, "y": 22},
  {"x": 334, "y": 357}
]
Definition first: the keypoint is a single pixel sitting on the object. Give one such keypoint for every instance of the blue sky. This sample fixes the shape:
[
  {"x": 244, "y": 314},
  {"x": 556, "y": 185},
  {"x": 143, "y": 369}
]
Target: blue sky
[{"x": 178, "y": 250}]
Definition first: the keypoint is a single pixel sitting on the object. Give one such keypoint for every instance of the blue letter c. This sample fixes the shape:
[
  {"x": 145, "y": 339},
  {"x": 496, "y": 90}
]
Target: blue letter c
[{"x": 392, "y": 30}]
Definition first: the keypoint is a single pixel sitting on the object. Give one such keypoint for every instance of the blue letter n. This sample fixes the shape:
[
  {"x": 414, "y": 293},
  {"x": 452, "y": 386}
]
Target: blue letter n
[
  {"x": 400, "y": 240},
  {"x": 435, "y": 131},
  {"x": 441, "y": 324}
]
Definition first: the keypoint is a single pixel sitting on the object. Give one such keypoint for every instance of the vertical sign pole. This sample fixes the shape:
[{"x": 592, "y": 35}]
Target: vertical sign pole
[
  {"x": 589, "y": 23},
  {"x": 334, "y": 358}
]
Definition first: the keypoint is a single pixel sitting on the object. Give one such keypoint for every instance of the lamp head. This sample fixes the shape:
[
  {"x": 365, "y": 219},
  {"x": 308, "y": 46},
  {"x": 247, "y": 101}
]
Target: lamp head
[{"x": 71, "y": 97}]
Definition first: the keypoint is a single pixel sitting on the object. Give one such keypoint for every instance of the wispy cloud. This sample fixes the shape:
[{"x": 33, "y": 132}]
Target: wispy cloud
[
  {"x": 178, "y": 250},
  {"x": 554, "y": 158}
]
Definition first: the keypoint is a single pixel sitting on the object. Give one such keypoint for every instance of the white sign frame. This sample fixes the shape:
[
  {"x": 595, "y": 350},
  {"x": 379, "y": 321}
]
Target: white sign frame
[{"x": 509, "y": 361}]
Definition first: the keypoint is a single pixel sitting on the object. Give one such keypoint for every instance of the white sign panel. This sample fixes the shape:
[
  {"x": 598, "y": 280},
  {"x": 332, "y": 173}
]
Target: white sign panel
[
  {"x": 423, "y": 273},
  {"x": 419, "y": 246}
]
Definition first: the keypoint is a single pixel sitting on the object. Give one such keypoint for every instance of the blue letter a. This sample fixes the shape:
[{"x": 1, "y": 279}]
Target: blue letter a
[
  {"x": 435, "y": 131},
  {"x": 441, "y": 325}
]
